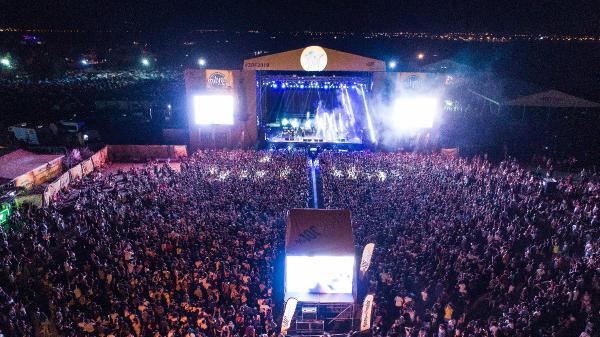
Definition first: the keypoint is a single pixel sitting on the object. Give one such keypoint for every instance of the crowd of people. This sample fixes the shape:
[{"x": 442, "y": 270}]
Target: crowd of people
[
  {"x": 110, "y": 102},
  {"x": 76, "y": 92},
  {"x": 463, "y": 247},
  {"x": 100, "y": 80},
  {"x": 155, "y": 252},
  {"x": 467, "y": 248}
]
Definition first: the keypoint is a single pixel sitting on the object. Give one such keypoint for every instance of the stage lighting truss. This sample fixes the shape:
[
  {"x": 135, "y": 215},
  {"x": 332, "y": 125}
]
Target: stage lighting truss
[{"x": 324, "y": 82}]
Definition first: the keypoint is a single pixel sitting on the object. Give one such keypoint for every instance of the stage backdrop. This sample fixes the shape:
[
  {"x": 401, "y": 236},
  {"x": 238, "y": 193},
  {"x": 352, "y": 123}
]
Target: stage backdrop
[{"x": 314, "y": 58}]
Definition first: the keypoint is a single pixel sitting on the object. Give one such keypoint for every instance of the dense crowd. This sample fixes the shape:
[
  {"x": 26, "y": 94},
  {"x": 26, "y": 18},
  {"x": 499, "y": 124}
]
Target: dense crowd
[
  {"x": 466, "y": 248},
  {"x": 155, "y": 252},
  {"x": 463, "y": 247},
  {"x": 79, "y": 93},
  {"x": 95, "y": 79}
]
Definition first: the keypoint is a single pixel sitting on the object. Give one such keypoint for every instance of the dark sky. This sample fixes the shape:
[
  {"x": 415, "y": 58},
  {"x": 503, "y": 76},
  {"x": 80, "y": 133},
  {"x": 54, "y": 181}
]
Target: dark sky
[{"x": 567, "y": 16}]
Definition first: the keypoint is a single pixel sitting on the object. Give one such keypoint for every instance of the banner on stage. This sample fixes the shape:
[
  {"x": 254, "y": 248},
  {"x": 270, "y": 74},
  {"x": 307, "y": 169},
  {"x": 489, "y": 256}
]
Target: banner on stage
[
  {"x": 366, "y": 259},
  {"x": 288, "y": 314},
  {"x": 365, "y": 317},
  {"x": 219, "y": 79}
]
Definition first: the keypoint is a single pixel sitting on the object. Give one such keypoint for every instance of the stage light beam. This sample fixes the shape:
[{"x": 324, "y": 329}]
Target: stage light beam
[
  {"x": 369, "y": 121},
  {"x": 307, "y": 124}
]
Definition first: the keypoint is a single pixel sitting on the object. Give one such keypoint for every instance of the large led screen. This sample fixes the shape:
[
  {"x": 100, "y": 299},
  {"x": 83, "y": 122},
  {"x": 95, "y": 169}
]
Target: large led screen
[
  {"x": 415, "y": 112},
  {"x": 213, "y": 109},
  {"x": 319, "y": 274}
]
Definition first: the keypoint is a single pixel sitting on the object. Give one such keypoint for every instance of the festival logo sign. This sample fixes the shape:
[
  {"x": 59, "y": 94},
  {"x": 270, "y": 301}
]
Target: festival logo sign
[
  {"x": 218, "y": 79},
  {"x": 412, "y": 81},
  {"x": 313, "y": 58}
]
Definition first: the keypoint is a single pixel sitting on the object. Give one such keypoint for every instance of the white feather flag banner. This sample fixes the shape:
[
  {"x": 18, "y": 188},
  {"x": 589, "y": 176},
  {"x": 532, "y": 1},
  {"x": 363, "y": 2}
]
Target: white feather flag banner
[
  {"x": 288, "y": 314},
  {"x": 366, "y": 259},
  {"x": 365, "y": 317}
]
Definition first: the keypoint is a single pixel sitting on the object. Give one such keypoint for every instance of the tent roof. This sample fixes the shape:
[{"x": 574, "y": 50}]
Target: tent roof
[
  {"x": 336, "y": 61},
  {"x": 20, "y": 162},
  {"x": 499, "y": 90},
  {"x": 513, "y": 92},
  {"x": 552, "y": 99}
]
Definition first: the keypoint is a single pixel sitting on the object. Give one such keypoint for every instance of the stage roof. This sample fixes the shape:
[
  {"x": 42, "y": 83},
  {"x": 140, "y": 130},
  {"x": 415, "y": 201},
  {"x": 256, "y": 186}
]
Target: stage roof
[
  {"x": 20, "y": 162},
  {"x": 336, "y": 61},
  {"x": 553, "y": 99}
]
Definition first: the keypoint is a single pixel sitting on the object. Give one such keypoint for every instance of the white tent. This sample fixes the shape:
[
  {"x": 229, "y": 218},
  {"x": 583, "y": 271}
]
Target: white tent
[{"x": 552, "y": 99}]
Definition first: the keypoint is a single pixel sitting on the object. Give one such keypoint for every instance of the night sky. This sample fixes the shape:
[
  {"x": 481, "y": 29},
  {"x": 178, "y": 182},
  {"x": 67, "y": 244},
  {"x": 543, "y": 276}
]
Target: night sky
[{"x": 498, "y": 16}]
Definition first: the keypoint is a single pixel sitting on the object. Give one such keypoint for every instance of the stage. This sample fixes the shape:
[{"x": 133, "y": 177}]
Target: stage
[{"x": 333, "y": 109}]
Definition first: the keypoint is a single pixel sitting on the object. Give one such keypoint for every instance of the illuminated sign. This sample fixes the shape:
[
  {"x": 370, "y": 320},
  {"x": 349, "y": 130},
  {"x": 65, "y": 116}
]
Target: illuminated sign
[
  {"x": 213, "y": 109},
  {"x": 319, "y": 274},
  {"x": 219, "y": 79},
  {"x": 4, "y": 215},
  {"x": 313, "y": 58}
]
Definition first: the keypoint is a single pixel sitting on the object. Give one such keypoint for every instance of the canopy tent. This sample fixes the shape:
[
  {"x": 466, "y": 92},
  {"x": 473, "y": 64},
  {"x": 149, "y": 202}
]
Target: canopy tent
[
  {"x": 27, "y": 169},
  {"x": 496, "y": 90},
  {"x": 552, "y": 99},
  {"x": 508, "y": 92}
]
